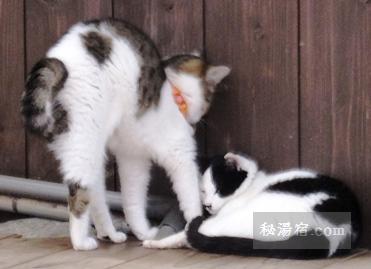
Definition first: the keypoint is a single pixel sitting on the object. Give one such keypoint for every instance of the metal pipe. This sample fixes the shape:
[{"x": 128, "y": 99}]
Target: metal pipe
[
  {"x": 37, "y": 190},
  {"x": 35, "y": 208}
]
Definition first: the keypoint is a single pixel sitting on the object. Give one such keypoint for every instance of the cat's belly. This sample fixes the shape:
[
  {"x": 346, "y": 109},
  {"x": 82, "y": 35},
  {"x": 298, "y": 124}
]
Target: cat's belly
[
  {"x": 154, "y": 134},
  {"x": 136, "y": 137}
]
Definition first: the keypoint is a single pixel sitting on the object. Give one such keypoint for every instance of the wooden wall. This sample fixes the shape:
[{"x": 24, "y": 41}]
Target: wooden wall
[{"x": 299, "y": 93}]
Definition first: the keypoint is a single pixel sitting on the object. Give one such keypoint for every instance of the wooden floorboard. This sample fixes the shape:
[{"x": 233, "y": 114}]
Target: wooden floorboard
[
  {"x": 171, "y": 259},
  {"x": 16, "y": 252},
  {"x": 359, "y": 261},
  {"x": 107, "y": 256}
]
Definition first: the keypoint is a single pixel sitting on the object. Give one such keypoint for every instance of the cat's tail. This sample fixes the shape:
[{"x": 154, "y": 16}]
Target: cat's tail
[
  {"x": 45, "y": 80},
  {"x": 251, "y": 247}
]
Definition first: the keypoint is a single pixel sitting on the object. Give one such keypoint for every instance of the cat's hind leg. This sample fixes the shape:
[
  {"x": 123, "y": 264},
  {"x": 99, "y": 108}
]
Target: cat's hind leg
[
  {"x": 81, "y": 164},
  {"x": 87, "y": 198},
  {"x": 79, "y": 222},
  {"x": 82, "y": 157}
]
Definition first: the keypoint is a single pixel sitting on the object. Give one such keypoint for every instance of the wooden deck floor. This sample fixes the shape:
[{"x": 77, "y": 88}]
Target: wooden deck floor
[{"x": 16, "y": 252}]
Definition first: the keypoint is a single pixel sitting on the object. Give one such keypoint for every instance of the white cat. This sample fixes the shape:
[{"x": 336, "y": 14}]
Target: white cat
[
  {"x": 233, "y": 190},
  {"x": 103, "y": 86}
]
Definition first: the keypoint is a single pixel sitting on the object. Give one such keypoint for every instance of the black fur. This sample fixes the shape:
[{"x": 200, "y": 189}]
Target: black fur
[
  {"x": 98, "y": 46},
  {"x": 343, "y": 199},
  {"x": 225, "y": 176},
  {"x": 60, "y": 119},
  {"x": 45, "y": 80},
  {"x": 245, "y": 247},
  {"x": 202, "y": 163}
]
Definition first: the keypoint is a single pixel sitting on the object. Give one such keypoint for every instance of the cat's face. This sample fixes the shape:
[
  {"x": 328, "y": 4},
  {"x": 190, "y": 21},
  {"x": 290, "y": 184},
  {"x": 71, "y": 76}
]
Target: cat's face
[
  {"x": 220, "y": 180},
  {"x": 197, "y": 82}
]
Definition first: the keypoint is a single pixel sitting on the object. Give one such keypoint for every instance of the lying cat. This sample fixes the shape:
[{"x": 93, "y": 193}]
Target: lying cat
[
  {"x": 103, "y": 85},
  {"x": 233, "y": 188}
]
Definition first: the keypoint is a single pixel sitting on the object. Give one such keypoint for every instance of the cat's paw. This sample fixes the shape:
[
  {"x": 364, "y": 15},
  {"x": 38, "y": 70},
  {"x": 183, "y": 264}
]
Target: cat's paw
[
  {"x": 88, "y": 243},
  {"x": 158, "y": 244},
  {"x": 118, "y": 237},
  {"x": 115, "y": 237},
  {"x": 147, "y": 235}
]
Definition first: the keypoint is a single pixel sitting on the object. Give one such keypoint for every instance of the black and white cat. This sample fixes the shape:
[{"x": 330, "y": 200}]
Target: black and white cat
[
  {"x": 103, "y": 86},
  {"x": 233, "y": 189}
]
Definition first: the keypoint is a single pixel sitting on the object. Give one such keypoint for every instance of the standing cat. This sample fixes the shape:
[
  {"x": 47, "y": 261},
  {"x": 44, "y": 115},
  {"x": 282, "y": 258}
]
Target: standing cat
[
  {"x": 233, "y": 189},
  {"x": 103, "y": 85}
]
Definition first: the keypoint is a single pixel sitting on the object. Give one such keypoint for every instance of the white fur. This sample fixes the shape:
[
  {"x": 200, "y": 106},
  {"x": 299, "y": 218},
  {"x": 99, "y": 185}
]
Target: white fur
[{"x": 102, "y": 108}]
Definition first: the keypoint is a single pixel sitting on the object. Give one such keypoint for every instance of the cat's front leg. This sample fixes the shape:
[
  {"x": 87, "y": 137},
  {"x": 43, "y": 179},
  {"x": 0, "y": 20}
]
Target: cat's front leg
[
  {"x": 134, "y": 178},
  {"x": 183, "y": 172}
]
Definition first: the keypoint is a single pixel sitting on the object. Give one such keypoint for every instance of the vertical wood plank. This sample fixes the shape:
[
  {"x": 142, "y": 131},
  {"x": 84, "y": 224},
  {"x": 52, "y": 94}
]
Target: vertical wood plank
[
  {"x": 335, "y": 94},
  {"x": 12, "y": 134},
  {"x": 258, "y": 112},
  {"x": 175, "y": 26},
  {"x": 46, "y": 21}
]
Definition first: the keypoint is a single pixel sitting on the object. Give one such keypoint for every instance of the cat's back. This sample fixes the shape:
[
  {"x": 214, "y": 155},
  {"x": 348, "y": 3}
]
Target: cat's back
[
  {"x": 97, "y": 44},
  {"x": 114, "y": 57},
  {"x": 113, "y": 47}
]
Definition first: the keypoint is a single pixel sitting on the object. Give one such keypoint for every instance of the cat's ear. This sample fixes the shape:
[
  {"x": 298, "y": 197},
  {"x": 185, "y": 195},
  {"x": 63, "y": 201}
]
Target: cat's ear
[
  {"x": 215, "y": 74},
  {"x": 233, "y": 160},
  {"x": 242, "y": 162}
]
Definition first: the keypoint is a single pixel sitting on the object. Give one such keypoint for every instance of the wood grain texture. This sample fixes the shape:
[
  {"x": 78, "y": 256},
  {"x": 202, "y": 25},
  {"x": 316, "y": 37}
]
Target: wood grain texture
[
  {"x": 336, "y": 94},
  {"x": 108, "y": 255},
  {"x": 12, "y": 134},
  {"x": 46, "y": 22},
  {"x": 16, "y": 251},
  {"x": 258, "y": 112},
  {"x": 57, "y": 253},
  {"x": 176, "y": 27}
]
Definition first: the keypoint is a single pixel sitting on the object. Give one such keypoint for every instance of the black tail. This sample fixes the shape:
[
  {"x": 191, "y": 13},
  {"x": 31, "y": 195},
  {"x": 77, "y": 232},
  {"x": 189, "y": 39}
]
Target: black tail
[
  {"x": 39, "y": 109},
  {"x": 248, "y": 247}
]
